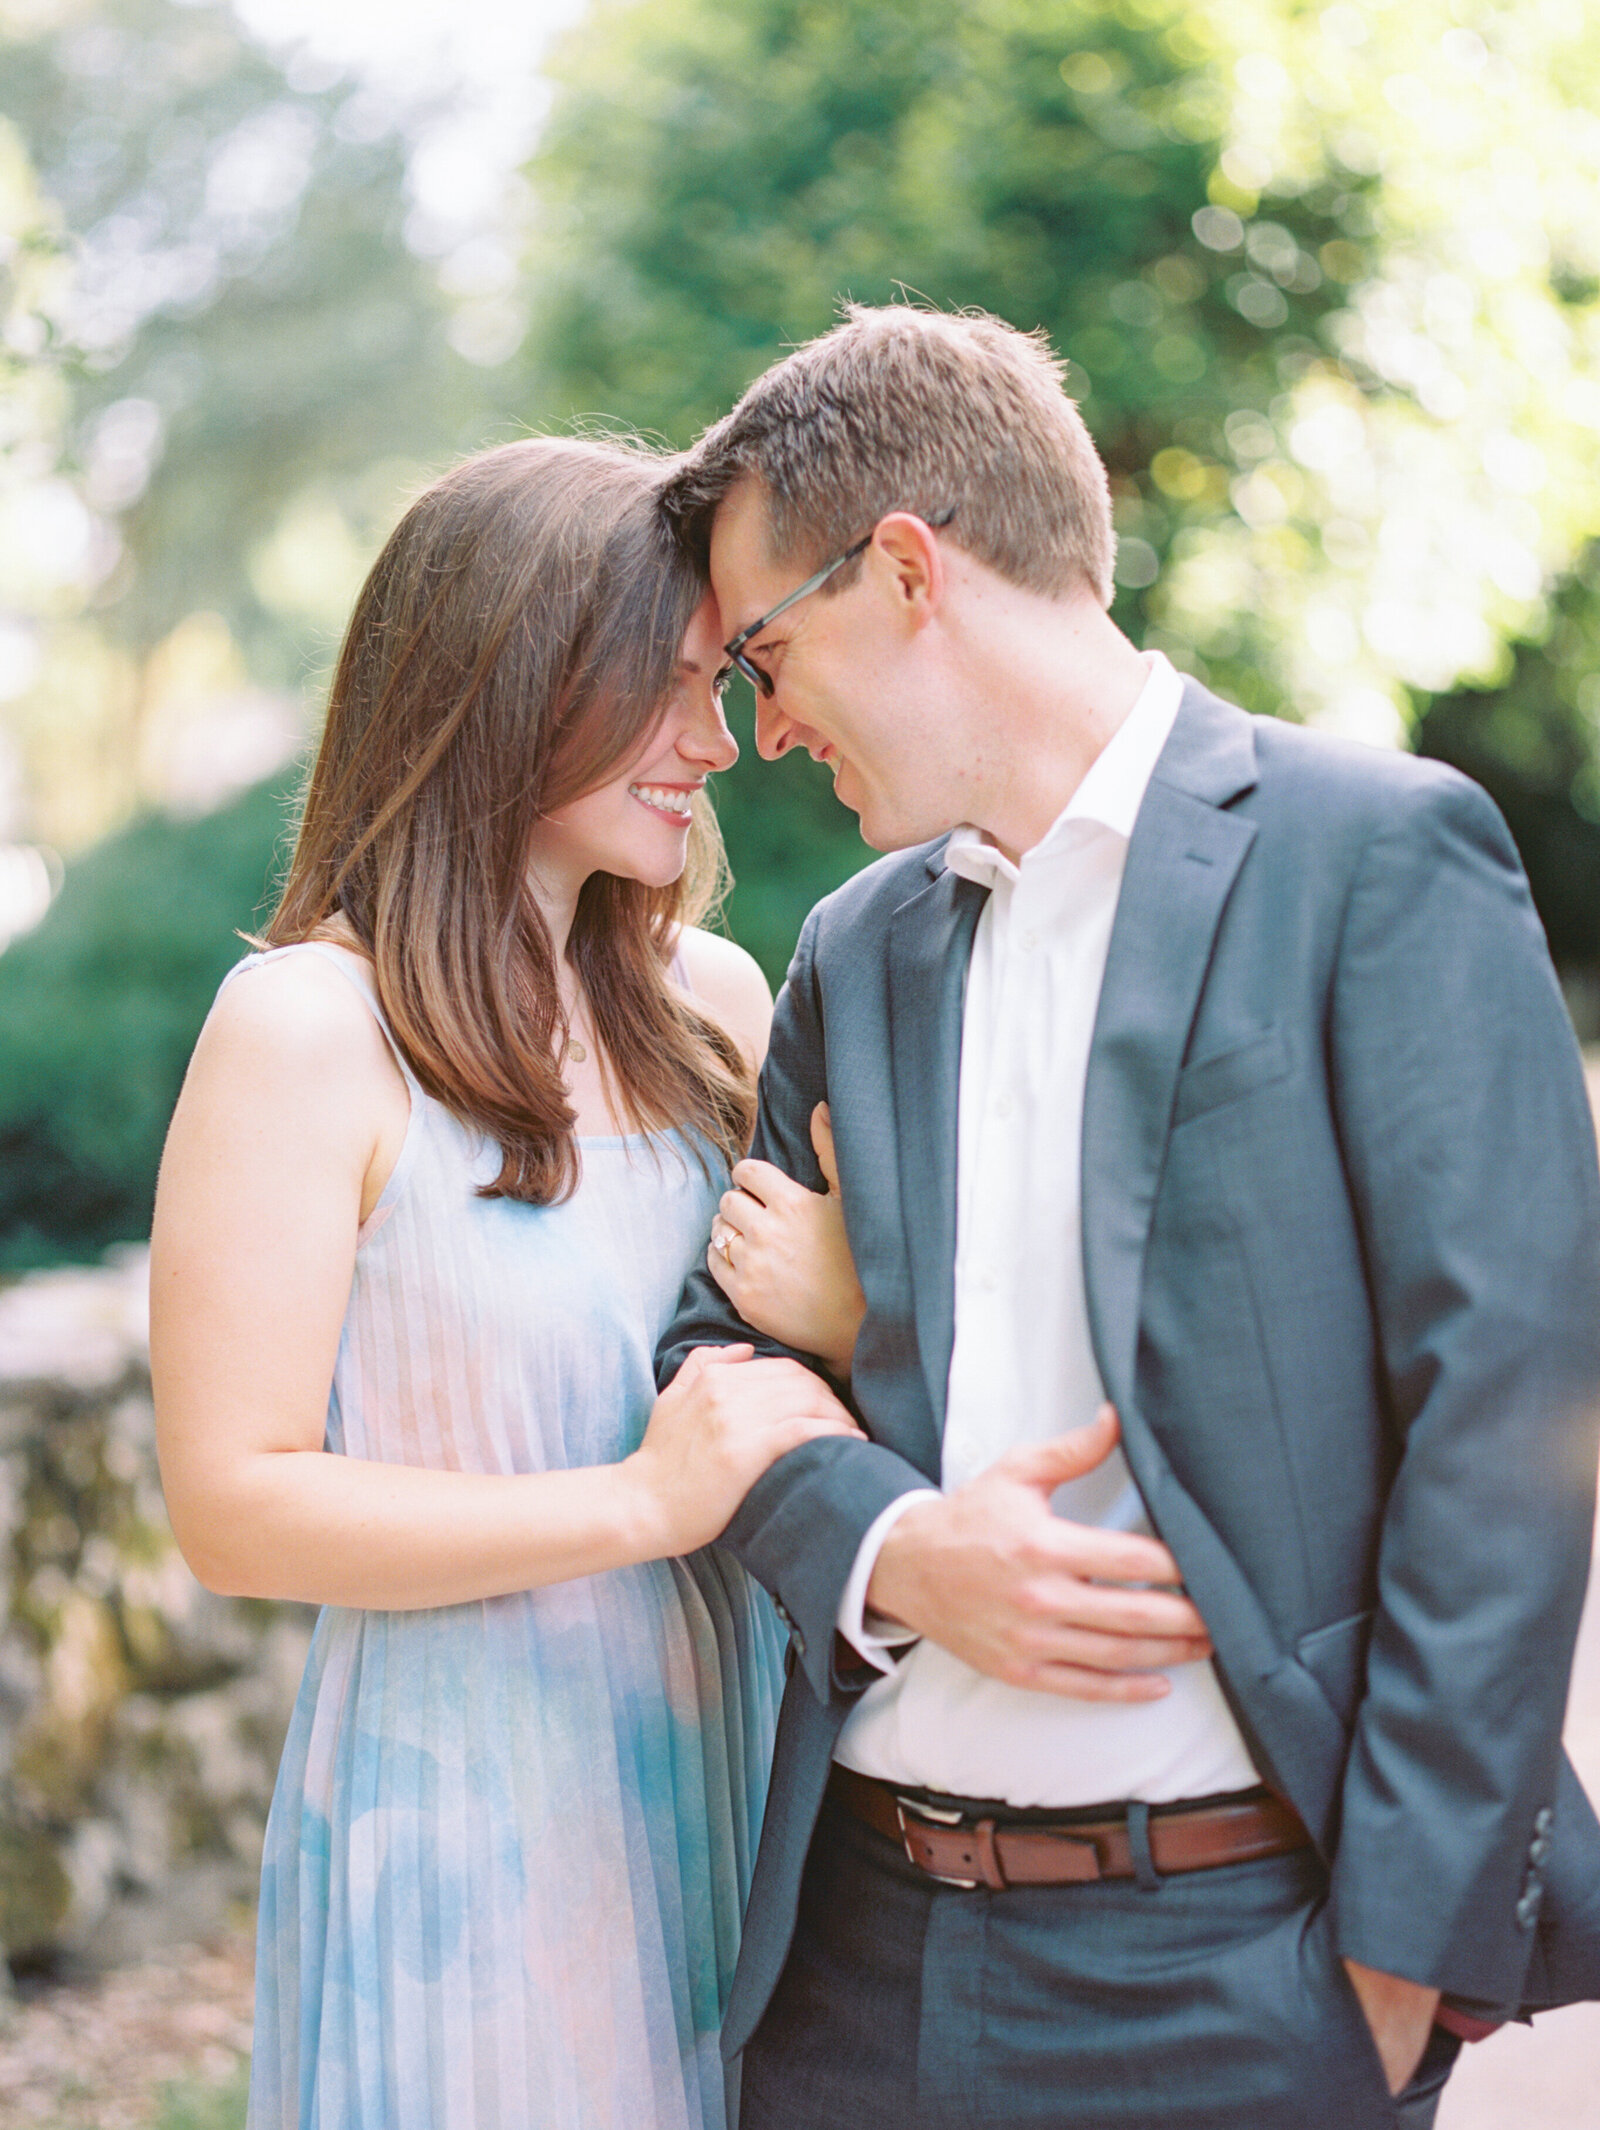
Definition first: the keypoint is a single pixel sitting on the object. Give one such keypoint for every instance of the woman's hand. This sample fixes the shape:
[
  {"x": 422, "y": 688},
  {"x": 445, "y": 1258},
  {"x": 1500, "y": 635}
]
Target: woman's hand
[
  {"x": 780, "y": 1254},
  {"x": 722, "y": 1421}
]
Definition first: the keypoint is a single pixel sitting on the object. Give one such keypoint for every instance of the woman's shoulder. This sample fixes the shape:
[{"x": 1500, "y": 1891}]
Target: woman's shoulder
[
  {"x": 299, "y": 1012},
  {"x": 727, "y": 982}
]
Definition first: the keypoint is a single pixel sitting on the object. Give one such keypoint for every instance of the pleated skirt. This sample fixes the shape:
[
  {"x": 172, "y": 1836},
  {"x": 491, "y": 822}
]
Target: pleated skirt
[{"x": 508, "y": 1855}]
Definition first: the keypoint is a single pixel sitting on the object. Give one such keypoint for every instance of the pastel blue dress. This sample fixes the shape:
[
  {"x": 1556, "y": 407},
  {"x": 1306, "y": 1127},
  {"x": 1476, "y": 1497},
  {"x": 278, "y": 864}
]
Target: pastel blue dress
[{"x": 510, "y": 1843}]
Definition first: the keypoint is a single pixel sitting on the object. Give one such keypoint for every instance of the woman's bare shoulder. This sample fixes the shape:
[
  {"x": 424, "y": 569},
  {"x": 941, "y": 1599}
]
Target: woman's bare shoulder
[
  {"x": 294, "y": 1015},
  {"x": 728, "y": 983}
]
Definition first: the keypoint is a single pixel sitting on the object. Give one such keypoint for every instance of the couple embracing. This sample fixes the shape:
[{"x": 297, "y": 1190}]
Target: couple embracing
[{"x": 1148, "y": 1349}]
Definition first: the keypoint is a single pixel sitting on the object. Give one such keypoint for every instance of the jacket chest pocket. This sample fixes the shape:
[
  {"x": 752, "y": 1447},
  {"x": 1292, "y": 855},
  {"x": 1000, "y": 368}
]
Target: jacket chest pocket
[{"x": 1227, "y": 1076}]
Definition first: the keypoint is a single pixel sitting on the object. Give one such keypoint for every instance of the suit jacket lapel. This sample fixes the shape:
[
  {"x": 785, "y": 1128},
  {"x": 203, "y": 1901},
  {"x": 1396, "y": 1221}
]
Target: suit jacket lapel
[
  {"x": 1182, "y": 862},
  {"x": 930, "y": 945}
]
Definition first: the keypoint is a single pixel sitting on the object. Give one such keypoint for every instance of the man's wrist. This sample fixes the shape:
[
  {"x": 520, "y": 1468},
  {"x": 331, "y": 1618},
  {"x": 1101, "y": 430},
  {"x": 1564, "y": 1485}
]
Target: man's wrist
[
  {"x": 875, "y": 1639},
  {"x": 890, "y": 1594}
]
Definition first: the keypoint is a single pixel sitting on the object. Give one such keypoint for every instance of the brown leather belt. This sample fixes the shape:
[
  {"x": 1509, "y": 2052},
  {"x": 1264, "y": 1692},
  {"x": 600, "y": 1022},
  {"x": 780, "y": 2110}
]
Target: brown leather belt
[{"x": 963, "y": 1849}]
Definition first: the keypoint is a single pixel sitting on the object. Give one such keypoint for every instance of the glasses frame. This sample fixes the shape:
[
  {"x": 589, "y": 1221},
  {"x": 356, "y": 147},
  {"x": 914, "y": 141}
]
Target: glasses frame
[{"x": 734, "y": 650}]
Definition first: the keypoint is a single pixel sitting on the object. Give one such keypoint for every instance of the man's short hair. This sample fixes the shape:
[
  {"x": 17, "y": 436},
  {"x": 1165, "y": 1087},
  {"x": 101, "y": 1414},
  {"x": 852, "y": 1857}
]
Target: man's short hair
[{"x": 907, "y": 409}]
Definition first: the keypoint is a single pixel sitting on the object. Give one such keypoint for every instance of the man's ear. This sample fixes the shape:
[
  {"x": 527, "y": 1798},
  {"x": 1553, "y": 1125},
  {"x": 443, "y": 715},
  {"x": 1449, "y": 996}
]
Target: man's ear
[{"x": 906, "y": 548}]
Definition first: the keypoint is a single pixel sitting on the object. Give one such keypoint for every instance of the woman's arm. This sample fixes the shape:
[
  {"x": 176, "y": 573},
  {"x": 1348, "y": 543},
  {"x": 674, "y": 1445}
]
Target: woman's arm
[
  {"x": 788, "y": 1268},
  {"x": 270, "y": 1156}
]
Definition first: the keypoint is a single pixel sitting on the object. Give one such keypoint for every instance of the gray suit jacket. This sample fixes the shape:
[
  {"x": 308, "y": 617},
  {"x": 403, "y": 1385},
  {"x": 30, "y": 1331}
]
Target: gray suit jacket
[{"x": 1341, "y": 1218}]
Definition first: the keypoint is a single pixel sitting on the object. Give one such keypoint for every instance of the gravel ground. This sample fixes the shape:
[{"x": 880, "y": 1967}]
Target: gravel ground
[{"x": 97, "y": 2055}]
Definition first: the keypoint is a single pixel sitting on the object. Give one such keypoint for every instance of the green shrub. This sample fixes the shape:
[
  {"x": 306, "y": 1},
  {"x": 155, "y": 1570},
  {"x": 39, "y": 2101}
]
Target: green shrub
[{"x": 99, "y": 1010}]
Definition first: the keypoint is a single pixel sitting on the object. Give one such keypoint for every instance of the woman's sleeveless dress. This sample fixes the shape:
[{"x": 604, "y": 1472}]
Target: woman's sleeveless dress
[{"x": 510, "y": 1842}]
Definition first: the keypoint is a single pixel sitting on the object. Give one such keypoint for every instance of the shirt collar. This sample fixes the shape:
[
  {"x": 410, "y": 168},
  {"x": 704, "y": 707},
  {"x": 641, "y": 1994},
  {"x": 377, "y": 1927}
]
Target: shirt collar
[{"x": 1110, "y": 795}]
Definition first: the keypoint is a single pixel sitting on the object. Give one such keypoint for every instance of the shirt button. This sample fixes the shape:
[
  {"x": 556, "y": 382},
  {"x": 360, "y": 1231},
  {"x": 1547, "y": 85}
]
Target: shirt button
[
  {"x": 1030, "y": 940},
  {"x": 1004, "y": 1106},
  {"x": 988, "y": 1282}
]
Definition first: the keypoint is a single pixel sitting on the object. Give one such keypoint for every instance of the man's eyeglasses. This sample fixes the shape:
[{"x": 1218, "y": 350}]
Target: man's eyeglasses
[{"x": 762, "y": 682}]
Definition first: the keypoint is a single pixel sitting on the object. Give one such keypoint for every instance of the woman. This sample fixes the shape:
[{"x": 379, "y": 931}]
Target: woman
[{"x": 445, "y": 1153}]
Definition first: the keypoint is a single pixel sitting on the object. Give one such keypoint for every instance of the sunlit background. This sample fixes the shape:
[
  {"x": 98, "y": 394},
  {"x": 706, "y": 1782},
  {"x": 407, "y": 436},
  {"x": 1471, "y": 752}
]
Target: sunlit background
[{"x": 1329, "y": 284}]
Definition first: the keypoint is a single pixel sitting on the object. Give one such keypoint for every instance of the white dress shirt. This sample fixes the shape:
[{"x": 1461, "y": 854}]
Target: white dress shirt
[{"x": 1022, "y": 1368}]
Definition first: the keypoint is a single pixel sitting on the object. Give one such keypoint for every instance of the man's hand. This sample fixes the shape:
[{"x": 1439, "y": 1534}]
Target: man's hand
[
  {"x": 1400, "y": 2014},
  {"x": 990, "y": 1574}
]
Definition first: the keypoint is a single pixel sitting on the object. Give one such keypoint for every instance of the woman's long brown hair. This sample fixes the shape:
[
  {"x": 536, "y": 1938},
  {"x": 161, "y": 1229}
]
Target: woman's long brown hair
[{"x": 513, "y": 648}]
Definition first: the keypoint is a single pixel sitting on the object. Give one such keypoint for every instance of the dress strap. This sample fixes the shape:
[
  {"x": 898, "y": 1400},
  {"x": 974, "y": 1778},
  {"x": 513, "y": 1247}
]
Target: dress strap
[{"x": 355, "y": 971}]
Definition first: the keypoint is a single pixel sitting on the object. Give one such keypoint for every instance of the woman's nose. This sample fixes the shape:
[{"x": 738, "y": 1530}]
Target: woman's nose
[{"x": 706, "y": 737}]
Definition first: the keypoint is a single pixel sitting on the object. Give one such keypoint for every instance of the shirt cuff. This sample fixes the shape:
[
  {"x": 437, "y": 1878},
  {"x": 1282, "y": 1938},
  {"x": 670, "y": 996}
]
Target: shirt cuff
[{"x": 870, "y": 1643}]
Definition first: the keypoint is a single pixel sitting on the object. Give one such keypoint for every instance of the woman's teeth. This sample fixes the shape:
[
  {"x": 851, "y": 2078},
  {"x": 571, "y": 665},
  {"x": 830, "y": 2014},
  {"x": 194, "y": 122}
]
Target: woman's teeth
[{"x": 664, "y": 801}]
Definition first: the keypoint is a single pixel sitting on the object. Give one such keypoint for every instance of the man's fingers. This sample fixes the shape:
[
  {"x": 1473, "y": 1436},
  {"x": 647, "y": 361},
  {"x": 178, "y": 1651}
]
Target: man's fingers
[
  {"x": 1052, "y": 1464},
  {"x": 1113, "y": 1652},
  {"x": 822, "y": 1145},
  {"x": 1078, "y": 1683},
  {"x": 1094, "y": 1556},
  {"x": 1114, "y": 1608}
]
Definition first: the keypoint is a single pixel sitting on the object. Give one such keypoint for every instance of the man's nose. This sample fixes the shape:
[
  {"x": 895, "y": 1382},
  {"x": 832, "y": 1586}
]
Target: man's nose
[{"x": 774, "y": 733}]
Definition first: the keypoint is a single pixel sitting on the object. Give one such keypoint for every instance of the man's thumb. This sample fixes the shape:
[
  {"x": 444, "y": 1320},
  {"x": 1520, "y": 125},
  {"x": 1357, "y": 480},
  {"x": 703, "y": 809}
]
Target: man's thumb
[{"x": 1051, "y": 1464}]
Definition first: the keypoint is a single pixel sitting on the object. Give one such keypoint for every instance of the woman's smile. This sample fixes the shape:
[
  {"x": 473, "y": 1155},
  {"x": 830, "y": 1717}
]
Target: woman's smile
[{"x": 670, "y": 801}]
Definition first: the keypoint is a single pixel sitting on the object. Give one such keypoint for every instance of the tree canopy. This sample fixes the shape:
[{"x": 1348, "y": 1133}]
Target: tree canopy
[{"x": 1327, "y": 281}]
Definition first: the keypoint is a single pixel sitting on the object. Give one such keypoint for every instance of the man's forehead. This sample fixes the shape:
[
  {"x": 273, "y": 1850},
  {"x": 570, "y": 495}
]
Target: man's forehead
[{"x": 741, "y": 560}]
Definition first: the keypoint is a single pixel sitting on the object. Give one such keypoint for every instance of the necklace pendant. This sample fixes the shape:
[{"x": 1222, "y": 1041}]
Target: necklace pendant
[{"x": 577, "y": 1053}]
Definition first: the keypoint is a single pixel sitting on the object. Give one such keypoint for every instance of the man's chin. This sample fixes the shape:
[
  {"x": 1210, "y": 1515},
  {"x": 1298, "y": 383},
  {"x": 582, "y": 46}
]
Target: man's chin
[
  {"x": 880, "y": 831},
  {"x": 886, "y": 836}
]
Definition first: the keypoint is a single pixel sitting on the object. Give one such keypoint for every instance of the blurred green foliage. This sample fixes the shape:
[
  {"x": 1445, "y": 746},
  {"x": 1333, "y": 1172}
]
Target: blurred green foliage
[
  {"x": 99, "y": 1008},
  {"x": 716, "y": 177},
  {"x": 1532, "y": 744},
  {"x": 245, "y": 278},
  {"x": 713, "y": 177}
]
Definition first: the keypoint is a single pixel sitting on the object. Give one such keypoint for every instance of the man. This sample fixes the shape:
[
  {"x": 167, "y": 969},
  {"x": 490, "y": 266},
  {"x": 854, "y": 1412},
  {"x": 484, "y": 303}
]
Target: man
[{"x": 1197, "y": 1063}]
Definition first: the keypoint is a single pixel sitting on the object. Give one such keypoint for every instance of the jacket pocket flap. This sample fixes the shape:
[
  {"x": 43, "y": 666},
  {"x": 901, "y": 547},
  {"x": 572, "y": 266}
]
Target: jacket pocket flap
[
  {"x": 1230, "y": 1075},
  {"x": 1336, "y": 1657}
]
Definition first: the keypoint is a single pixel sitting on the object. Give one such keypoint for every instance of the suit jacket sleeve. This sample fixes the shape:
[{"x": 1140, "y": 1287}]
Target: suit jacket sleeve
[
  {"x": 800, "y": 1527},
  {"x": 1461, "y": 1107}
]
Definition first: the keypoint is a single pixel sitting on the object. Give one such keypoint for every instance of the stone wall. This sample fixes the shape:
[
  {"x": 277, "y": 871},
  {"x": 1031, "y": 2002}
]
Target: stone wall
[{"x": 141, "y": 1717}]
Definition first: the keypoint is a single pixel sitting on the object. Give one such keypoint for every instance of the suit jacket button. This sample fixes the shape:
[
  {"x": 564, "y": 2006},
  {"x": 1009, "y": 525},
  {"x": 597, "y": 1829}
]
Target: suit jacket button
[
  {"x": 782, "y": 1610},
  {"x": 1544, "y": 1820},
  {"x": 1528, "y": 1908},
  {"x": 797, "y": 1640},
  {"x": 1538, "y": 1849}
]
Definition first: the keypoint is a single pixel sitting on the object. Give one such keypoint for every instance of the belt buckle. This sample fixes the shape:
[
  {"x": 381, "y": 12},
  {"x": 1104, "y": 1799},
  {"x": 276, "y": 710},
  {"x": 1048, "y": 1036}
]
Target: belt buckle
[{"x": 934, "y": 1815}]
